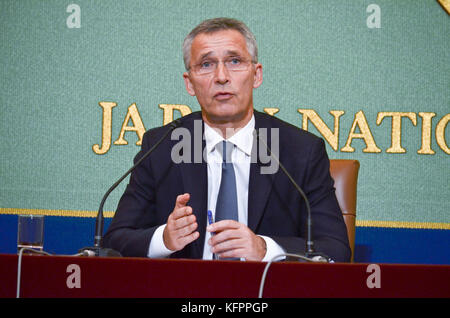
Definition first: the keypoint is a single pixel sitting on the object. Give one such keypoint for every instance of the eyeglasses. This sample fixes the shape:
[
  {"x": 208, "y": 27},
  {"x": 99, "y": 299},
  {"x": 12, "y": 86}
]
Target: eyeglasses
[{"x": 232, "y": 64}]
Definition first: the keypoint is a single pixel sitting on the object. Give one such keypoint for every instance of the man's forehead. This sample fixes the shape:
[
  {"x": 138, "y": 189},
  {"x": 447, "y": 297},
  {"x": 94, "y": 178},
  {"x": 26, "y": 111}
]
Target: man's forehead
[{"x": 219, "y": 43}]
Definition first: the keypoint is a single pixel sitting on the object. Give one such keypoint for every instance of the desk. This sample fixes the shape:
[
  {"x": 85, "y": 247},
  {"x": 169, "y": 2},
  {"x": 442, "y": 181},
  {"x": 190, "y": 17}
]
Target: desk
[{"x": 63, "y": 276}]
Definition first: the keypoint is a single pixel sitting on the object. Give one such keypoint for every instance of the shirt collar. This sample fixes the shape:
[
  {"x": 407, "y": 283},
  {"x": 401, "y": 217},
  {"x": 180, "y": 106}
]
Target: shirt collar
[{"x": 243, "y": 138}]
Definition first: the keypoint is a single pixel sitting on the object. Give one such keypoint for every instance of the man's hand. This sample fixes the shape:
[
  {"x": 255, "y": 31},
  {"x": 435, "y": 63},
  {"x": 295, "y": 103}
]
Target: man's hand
[
  {"x": 181, "y": 224},
  {"x": 234, "y": 239}
]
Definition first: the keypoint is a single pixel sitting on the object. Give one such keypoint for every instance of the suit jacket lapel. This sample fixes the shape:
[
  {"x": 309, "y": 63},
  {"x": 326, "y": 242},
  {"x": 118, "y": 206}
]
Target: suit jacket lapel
[
  {"x": 195, "y": 182},
  {"x": 260, "y": 185}
]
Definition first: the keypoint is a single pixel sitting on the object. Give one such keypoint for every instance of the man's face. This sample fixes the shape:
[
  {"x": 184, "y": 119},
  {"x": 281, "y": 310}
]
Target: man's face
[{"x": 225, "y": 95}]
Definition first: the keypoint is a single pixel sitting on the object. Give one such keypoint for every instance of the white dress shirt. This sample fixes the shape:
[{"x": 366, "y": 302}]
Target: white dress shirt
[{"x": 241, "y": 157}]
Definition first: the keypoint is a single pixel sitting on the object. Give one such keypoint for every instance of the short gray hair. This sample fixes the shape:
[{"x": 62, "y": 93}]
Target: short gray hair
[{"x": 219, "y": 24}]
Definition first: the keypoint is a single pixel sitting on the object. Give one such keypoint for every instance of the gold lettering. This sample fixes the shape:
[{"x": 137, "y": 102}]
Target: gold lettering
[
  {"x": 396, "y": 130},
  {"x": 271, "y": 111},
  {"x": 440, "y": 133},
  {"x": 331, "y": 138},
  {"x": 106, "y": 128},
  {"x": 361, "y": 122},
  {"x": 169, "y": 109},
  {"x": 137, "y": 127},
  {"x": 426, "y": 134}
]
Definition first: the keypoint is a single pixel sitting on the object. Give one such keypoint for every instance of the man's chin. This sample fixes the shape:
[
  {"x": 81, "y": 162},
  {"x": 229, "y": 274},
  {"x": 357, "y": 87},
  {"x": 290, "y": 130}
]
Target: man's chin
[{"x": 224, "y": 118}]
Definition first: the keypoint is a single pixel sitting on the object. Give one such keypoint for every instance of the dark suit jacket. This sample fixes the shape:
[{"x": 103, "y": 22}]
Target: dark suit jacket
[{"x": 275, "y": 208}]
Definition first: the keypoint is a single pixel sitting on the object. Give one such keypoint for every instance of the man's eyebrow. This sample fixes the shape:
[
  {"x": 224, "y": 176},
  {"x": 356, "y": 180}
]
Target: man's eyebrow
[
  {"x": 205, "y": 55},
  {"x": 227, "y": 53}
]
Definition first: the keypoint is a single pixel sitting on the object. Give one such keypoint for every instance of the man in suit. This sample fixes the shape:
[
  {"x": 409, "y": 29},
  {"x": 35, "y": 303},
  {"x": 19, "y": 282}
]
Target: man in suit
[{"x": 163, "y": 212}]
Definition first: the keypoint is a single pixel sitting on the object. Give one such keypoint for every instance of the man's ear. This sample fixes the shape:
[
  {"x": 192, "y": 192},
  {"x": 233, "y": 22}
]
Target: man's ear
[
  {"x": 188, "y": 84},
  {"x": 257, "y": 81}
]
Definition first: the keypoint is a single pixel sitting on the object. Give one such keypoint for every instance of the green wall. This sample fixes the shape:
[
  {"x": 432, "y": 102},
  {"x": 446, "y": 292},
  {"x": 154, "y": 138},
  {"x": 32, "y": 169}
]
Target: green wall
[{"x": 318, "y": 55}]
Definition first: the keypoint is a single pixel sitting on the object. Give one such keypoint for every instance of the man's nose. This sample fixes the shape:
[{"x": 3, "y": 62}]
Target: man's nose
[{"x": 222, "y": 74}]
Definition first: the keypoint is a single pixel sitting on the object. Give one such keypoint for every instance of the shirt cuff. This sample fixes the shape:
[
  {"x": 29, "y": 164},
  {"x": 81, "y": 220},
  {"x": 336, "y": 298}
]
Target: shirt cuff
[
  {"x": 157, "y": 249},
  {"x": 272, "y": 250}
]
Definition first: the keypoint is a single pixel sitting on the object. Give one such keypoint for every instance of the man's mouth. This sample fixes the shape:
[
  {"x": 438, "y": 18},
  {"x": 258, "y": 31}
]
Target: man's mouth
[{"x": 223, "y": 95}]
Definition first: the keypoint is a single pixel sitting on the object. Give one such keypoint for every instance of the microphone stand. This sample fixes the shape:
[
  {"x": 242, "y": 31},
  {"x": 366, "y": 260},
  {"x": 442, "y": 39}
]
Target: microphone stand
[
  {"x": 310, "y": 253},
  {"x": 98, "y": 249}
]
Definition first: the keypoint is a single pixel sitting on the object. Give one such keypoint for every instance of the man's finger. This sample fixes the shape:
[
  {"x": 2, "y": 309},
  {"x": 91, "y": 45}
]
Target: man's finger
[
  {"x": 185, "y": 240},
  {"x": 238, "y": 252},
  {"x": 180, "y": 213},
  {"x": 185, "y": 222},
  {"x": 182, "y": 200},
  {"x": 225, "y": 235},
  {"x": 226, "y": 245},
  {"x": 223, "y": 225}
]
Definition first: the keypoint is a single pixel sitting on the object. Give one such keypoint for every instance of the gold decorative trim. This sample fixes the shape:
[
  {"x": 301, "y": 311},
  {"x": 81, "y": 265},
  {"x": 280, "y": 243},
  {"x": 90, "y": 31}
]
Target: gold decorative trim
[
  {"x": 110, "y": 214},
  {"x": 405, "y": 225},
  {"x": 68, "y": 213}
]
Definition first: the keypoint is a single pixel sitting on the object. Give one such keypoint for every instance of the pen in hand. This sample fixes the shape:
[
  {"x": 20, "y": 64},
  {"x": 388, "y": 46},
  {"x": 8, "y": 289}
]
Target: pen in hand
[{"x": 210, "y": 221}]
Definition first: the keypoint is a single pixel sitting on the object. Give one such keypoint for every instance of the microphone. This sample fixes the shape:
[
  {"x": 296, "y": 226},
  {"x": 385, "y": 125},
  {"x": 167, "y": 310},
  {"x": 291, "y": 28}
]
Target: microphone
[
  {"x": 97, "y": 248},
  {"x": 311, "y": 254}
]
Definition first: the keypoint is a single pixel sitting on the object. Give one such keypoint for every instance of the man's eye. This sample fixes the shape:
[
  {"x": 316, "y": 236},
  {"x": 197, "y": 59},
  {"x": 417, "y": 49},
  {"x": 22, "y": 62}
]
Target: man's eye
[
  {"x": 206, "y": 64},
  {"x": 235, "y": 61}
]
